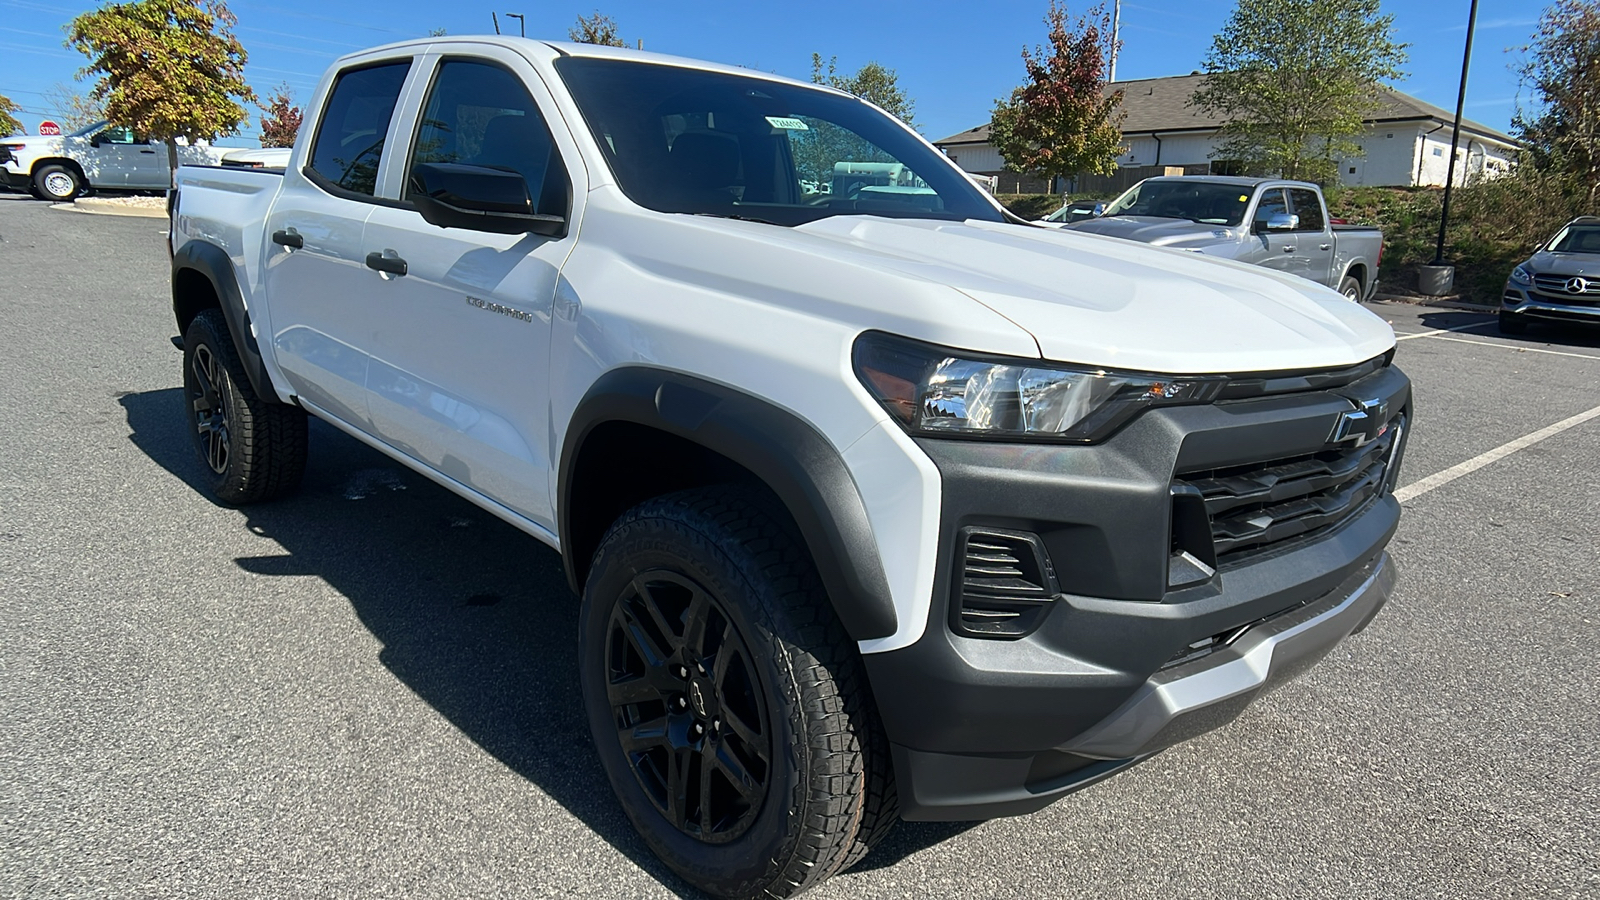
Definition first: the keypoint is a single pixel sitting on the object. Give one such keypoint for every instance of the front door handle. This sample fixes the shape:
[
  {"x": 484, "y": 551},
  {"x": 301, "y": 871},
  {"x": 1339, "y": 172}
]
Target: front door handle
[
  {"x": 392, "y": 265},
  {"x": 288, "y": 237},
  {"x": 151, "y": 152},
  {"x": 1324, "y": 246},
  {"x": 1288, "y": 248}
]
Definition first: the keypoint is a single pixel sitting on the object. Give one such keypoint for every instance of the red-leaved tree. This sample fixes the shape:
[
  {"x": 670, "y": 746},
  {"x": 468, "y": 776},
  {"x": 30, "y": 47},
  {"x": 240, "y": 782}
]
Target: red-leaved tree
[
  {"x": 281, "y": 122},
  {"x": 1062, "y": 120}
]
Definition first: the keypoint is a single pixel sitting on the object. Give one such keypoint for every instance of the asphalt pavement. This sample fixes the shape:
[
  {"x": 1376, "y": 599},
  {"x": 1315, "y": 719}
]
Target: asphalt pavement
[{"x": 367, "y": 690}]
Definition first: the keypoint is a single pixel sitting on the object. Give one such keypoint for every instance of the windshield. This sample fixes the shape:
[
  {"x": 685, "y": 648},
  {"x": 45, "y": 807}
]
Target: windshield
[
  {"x": 689, "y": 141},
  {"x": 88, "y": 130},
  {"x": 1197, "y": 201},
  {"x": 1576, "y": 239}
]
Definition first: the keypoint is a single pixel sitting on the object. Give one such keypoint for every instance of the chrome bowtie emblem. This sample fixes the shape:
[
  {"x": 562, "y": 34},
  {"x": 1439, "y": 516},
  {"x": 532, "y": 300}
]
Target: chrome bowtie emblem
[
  {"x": 1577, "y": 285},
  {"x": 1362, "y": 425}
]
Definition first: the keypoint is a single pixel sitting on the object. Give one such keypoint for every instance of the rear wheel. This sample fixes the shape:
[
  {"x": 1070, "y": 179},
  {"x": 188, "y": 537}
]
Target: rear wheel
[
  {"x": 725, "y": 700},
  {"x": 1351, "y": 289},
  {"x": 1511, "y": 323},
  {"x": 252, "y": 449},
  {"x": 57, "y": 182}
]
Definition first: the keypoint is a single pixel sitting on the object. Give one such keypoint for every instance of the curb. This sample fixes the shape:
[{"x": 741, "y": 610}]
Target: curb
[
  {"x": 110, "y": 208},
  {"x": 1440, "y": 303}
]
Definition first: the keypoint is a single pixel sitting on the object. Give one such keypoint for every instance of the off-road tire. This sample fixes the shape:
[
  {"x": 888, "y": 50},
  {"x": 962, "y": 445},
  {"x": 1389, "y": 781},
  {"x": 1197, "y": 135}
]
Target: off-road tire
[
  {"x": 250, "y": 449},
  {"x": 1350, "y": 288},
  {"x": 1510, "y": 323},
  {"x": 739, "y": 550},
  {"x": 57, "y": 183},
  {"x": 880, "y": 807}
]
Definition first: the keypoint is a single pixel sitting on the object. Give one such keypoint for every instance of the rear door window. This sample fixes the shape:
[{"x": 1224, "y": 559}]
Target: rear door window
[
  {"x": 348, "y": 148},
  {"x": 1308, "y": 208}
]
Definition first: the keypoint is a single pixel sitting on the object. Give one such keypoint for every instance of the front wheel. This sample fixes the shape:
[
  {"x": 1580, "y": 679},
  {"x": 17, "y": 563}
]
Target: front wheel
[
  {"x": 57, "y": 183},
  {"x": 1351, "y": 289},
  {"x": 725, "y": 700}
]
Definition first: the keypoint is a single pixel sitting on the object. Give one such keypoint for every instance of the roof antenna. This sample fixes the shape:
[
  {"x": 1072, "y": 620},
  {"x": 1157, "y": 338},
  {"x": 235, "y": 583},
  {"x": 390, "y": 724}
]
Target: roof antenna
[
  {"x": 496, "y": 21},
  {"x": 521, "y": 25}
]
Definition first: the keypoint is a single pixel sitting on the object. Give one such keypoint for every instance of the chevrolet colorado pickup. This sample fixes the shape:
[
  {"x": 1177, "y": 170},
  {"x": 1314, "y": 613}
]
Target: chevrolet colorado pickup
[
  {"x": 1282, "y": 225},
  {"x": 879, "y": 504}
]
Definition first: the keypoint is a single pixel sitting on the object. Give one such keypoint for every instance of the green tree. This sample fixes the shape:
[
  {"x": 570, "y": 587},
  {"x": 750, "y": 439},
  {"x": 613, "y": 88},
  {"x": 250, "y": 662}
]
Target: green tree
[
  {"x": 1295, "y": 81},
  {"x": 1063, "y": 120},
  {"x": 1562, "y": 67},
  {"x": 281, "y": 122},
  {"x": 168, "y": 69},
  {"x": 8, "y": 122},
  {"x": 73, "y": 109},
  {"x": 874, "y": 82},
  {"x": 596, "y": 29}
]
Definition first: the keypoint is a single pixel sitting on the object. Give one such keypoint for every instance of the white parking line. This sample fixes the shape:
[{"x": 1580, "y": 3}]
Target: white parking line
[
  {"x": 1517, "y": 348},
  {"x": 1438, "y": 479},
  {"x": 1407, "y": 337}
]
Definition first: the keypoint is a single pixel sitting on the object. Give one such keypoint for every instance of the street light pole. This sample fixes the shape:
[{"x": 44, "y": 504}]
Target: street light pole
[
  {"x": 1116, "y": 30},
  {"x": 1455, "y": 135}
]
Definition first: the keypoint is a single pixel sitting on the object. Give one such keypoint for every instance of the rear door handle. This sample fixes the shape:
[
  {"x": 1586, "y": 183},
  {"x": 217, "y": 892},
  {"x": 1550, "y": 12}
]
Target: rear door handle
[
  {"x": 151, "y": 152},
  {"x": 392, "y": 265},
  {"x": 1288, "y": 248},
  {"x": 289, "y": 238},
  {"x": 1324, "y": 246}
]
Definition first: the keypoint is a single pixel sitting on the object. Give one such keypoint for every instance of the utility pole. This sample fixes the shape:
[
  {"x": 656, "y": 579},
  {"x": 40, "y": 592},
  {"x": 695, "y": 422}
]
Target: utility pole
[
  {"x": 522, "y": 27},
  {"x": 1116, "y": 34},
  {"x": 1455, "y": 135}
]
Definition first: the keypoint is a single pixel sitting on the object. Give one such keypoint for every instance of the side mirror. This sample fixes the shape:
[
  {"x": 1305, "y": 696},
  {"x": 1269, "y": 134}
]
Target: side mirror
[
  {"x": 1283, "y": 222},
  {"x": 95, "y": 141},
  {"x": 478, "y": 198}
]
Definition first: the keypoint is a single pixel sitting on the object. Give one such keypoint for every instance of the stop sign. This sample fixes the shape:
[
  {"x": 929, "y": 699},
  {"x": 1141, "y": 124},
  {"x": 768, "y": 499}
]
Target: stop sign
[{"x": 48, "y": 127}]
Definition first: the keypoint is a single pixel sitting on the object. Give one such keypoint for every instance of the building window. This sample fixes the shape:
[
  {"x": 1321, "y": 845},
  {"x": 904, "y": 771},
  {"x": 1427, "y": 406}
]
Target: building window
[
  {"x": 1438, "y": 151},
  {"x": 1352, "y": 170}
]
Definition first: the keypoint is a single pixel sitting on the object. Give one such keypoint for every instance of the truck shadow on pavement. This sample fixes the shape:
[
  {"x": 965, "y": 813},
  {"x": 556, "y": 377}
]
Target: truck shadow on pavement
[
  {"x": 1576, "y": 336},
  {"x": 475, "y": 617}
]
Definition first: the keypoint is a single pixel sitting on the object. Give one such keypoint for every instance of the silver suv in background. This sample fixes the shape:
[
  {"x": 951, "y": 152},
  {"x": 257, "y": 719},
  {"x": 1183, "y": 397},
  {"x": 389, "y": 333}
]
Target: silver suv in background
[{"x": 1560, "y": 282}]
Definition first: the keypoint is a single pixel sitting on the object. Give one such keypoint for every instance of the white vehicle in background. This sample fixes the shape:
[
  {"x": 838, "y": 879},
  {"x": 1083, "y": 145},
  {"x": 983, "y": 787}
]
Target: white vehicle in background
[
  {"x": 265, "y": 158},
  {"x": 97, "y": 158}
]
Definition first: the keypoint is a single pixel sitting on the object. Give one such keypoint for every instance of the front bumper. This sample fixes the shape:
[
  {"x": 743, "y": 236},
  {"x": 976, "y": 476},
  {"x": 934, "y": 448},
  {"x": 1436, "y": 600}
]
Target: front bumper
[
  {"x": 983, "y": 727},
  {"x": 1524, "y": 301},
  {"x": 16, "y": 181}
]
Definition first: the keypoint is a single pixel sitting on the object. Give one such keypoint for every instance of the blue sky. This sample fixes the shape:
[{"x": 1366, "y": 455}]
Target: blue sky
[{"x": 953, "y": 59}]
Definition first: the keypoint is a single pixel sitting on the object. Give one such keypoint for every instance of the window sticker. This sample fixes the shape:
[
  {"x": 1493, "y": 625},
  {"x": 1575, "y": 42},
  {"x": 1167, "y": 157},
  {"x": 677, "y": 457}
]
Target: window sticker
[
  {"x": 1244, "y": 198},
  {"x": 787, "y": 123}
]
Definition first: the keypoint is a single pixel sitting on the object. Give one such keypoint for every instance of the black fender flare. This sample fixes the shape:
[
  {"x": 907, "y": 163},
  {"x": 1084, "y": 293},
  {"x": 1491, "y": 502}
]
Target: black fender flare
[
  {"x": 213, "y": 263},
  {"x": 790, "y": 456}
]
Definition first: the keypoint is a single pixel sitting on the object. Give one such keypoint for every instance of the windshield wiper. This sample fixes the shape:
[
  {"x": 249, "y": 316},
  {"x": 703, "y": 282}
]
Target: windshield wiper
[{"x": 739, "y": 218}]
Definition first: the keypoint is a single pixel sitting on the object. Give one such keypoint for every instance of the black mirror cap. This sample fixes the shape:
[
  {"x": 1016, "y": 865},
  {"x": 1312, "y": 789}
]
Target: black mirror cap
[{"x": 478, "y": 198}]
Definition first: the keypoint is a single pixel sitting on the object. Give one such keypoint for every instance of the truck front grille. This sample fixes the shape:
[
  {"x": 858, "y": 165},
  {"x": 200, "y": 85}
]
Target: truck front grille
[{"x": 1272, "y": 505}]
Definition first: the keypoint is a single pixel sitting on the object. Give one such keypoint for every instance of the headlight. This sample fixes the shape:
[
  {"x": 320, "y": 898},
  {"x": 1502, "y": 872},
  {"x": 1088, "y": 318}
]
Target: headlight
[
  {"x": 1521, "y": 275},
  {"x": 934, "y": 391}
]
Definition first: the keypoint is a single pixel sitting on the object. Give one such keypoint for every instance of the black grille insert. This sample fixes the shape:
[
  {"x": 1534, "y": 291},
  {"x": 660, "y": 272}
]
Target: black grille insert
[
  {"x": 1005, "y": 583},
  {"x": 1265, "y": 506}
]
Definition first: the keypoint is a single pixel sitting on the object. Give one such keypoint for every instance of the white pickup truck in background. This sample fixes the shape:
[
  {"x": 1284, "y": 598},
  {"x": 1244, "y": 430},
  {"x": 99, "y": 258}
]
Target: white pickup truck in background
[
  {"x": 880, "y": 504},
  {"x": 102, "y": 157}
]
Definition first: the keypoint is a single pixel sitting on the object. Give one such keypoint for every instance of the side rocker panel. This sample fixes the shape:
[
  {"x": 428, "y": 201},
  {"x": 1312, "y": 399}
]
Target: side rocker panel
[
  {"x": 792, "y": 458},
  {"x": 212, "y": 262}
]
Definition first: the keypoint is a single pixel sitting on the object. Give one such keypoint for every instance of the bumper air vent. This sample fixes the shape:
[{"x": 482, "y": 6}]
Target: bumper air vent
[{"x": 1005, "y": 583}]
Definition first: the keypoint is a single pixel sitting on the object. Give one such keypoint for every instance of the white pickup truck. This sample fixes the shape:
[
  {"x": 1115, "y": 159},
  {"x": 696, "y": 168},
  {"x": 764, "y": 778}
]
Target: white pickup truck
[
  {"x": 100, "y": 157},
  {"x": 879, "y": 504}
]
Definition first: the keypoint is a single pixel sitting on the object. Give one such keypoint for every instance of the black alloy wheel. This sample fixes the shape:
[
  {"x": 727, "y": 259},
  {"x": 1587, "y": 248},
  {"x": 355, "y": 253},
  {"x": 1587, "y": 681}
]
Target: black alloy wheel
[
  {"x": 687, "y": 706},
  {"x": 208, "y": 398}
]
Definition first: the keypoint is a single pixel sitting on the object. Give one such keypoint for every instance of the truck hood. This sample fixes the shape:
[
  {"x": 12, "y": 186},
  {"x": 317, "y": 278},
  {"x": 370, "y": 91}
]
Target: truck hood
[
  {"x": 1160, "y": 231},
  {"x": 1547, "y": 263},
  {"x": 1107, "y": 302}
]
